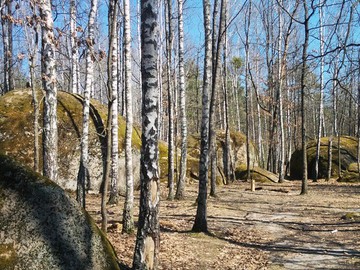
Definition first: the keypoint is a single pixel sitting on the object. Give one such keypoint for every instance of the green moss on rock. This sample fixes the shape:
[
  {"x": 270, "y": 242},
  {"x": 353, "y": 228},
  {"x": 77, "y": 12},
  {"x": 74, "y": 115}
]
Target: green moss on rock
[
  {"x": 17, "y": 135},
  {"x": 349, "y": 177},
  {"x": 348, "y": 152},
  {"x": 257, "y": 173}
]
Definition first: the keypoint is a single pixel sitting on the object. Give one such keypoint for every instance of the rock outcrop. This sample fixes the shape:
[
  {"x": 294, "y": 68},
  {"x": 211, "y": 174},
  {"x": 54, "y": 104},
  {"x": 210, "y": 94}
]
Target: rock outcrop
[
  {"x": 256, "y": 173},
  {"x": 238, "y": 152},
  {"x": 41, "y": 227},
  {"x": 17, "y": 137},
  {"x": 348, "y": 155}
]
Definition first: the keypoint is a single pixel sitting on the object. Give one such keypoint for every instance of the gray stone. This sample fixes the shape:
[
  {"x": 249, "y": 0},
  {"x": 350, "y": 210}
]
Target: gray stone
[{"x": 41, "y": 227}]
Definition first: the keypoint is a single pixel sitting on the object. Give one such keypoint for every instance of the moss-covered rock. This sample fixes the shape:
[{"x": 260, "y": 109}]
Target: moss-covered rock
[
  {"x": 353, "y": 167},
  {"x": 353, "y": 216},
  {"x": 349, "y": 177},
  {"x": 17, "y": 136},
  {"x": 238, "y": 147},
  {"x": 41, "y": 227},
  {"x": 348, "y": 153},
  {"x": 257, "y": 173}
]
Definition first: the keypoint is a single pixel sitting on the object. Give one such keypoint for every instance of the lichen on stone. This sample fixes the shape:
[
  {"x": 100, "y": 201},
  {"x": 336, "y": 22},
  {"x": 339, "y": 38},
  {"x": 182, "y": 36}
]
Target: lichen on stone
[{"x": 47, "y": 228}]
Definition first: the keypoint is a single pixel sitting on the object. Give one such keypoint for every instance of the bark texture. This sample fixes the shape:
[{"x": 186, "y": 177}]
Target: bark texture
[
  {"x": 304, "y": 185},
  {"x": 169, "y": 41},
  {"x": 182, "y": 177},
  {"x": 48, "y": 74},
  {"x": 74, "y": 49},
  {"x": 128, "y": 222},
  {"x": 148, "y": 234},
  {"x": 113, "y": 94},
  {"x": 83, "y": 174},
  {"x": 200, "y": 224}
]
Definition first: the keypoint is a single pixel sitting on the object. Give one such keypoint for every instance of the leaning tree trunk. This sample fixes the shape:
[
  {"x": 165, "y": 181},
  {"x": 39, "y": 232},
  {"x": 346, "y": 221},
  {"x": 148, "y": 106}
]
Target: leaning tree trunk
[
  {"x": 146, "y": 253},
  {"x": 128, "y": 222},
  {"x": 200, "y": 224},
  {"x": 181, "y": 183},
  {"x": 83, "y": 174},
  {"x": 50, "y": 133}
]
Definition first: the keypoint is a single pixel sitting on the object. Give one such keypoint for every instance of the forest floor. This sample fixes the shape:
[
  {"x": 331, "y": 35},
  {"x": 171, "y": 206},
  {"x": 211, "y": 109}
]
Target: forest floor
[{"x": 271, "y": 228}]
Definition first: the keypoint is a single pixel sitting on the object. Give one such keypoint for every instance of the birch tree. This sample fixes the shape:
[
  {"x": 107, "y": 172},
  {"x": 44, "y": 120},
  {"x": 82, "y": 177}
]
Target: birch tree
[
  {"x": 321, "y": 103},
  {"x": 74, "y": 80},
  {"x": 111, "y": 154},
  {"x": 32, "y": 41},
  {"x": 128, "y": 222},
  {"x": 113, "y": 101},
  {"x": 200, "y": 224},
  {"x": 148, "y": 235},
  {"x": 48, "y": 74},
  {"x": 83, "y": 174},
  {"x": 280, "y": 96},
  {"x": 182, "y": 176},
  {"x": 247, "y": 102},
  {"x": 7, "y": 36},
  {"x": 228, "y": 164},
  {"x": 169, "y": 42}
]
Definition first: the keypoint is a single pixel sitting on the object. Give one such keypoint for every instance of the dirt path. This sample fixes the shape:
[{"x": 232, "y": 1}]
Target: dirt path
[{"x": 272, "y": 228}]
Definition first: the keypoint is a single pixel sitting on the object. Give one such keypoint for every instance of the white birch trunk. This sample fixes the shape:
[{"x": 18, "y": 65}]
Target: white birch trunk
[
  {"x": 74, "y": 50},
  {"x": 32, "y": 40},
  {"x": 321, "y": 103},
  {"x": 247, "y": 102},
  {"x": 128, "y": 222},
  {"x": 181, "y": 183},
  {"x": 48, "y": 70},
  {"x": 281, "y": 116},
  {"x": 237, "y": 101},
  {"x": 83, "y": 174},
  {"x": 146, "y": 253},
  {"x": 169, "y": 41},
  {"x": 114, "y": 170}
]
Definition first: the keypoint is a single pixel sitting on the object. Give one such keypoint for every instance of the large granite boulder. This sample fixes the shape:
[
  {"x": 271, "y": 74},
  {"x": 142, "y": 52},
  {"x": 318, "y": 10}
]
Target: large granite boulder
[
  {"x": 41, "y": 227},
  {"x": 238, "y": 152},
  {"x": 17, "y": 137},
  {"x": 256, "y": 173},
  {"x": 348, "y": 155}
]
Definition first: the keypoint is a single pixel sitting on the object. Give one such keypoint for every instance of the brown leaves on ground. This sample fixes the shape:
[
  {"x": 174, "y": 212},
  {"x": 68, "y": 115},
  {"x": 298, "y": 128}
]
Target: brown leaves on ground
[
  {"x": 271, "y": 228},
  {"x": 180, "y": 248}
]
